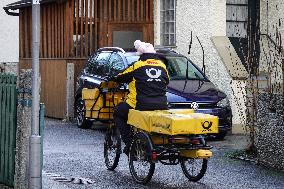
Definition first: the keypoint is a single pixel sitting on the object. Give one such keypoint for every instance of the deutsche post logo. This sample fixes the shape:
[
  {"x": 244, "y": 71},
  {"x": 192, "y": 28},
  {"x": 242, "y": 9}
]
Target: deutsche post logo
[{"x": 207, "y": 125}]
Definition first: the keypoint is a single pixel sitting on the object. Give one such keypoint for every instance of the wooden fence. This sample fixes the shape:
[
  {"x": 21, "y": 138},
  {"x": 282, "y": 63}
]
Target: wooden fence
[
  {"x": 8, "y": 125},
  {"x": 75, "y": 28},
  {"x": 53, "y": 74}
]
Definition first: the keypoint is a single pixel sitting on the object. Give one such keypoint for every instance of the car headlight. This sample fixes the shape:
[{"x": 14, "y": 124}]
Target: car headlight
[{"x": 223, "y": 103}]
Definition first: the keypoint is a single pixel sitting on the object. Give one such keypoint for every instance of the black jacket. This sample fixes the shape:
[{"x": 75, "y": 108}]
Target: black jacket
[{"x": 148, "y": 79}]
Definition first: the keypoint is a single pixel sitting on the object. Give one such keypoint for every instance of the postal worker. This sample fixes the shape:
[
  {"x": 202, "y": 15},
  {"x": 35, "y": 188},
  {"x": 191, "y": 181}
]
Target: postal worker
[{"x": 147, "y": 81}]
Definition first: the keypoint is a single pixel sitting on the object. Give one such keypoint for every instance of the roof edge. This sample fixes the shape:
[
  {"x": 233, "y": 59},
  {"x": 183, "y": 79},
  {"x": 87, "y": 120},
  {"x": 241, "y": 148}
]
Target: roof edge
[{"x": 24, "y": 3}]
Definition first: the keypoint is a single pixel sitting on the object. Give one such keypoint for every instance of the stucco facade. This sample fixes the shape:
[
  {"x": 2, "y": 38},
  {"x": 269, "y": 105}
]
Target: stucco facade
[
  {"x": 205, "y": 19},
  {"x": 9, "y": 35}
]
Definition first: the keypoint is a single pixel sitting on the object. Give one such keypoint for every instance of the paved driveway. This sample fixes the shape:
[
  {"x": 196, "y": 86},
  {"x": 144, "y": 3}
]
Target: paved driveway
[{"x": 73, "y": 156}]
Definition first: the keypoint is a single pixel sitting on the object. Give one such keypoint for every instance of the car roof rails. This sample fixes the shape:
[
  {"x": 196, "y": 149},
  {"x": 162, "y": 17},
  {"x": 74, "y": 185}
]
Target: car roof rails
[
  {"x": 163, "y": 49},
  {"x": 114, "y": 49}
]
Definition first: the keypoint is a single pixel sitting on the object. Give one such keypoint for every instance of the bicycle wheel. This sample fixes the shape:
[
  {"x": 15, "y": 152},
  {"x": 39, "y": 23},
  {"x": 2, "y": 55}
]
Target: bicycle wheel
[
  {"x": 194, "y": 169},
  {"x": 140, "y": 165},
  {"x": 112, "y": 148}
]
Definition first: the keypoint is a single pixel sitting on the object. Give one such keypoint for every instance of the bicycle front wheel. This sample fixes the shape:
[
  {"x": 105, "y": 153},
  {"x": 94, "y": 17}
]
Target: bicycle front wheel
[{"x": 112, "y": 147}]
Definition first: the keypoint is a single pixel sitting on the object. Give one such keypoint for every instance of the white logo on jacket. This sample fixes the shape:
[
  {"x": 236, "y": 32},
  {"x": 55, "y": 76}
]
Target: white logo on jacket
[{"x": 155, "y": 76}]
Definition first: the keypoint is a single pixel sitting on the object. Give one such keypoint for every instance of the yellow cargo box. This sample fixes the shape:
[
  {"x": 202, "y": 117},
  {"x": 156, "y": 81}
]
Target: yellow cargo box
[
  {"x": 173, "y": 122},
  {"x": 90, "y": 94},
  {"x": 94, "y": 103}
]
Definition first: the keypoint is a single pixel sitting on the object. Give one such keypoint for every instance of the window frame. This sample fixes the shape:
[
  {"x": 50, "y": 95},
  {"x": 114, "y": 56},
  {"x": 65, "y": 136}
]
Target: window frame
[{"x": 165, "y": 6}]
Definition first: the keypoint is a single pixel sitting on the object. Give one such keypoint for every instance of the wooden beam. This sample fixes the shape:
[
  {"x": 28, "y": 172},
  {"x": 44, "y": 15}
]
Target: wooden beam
[
  {"x": 41, "y": 36},
  {"x": 133, "y": 10},
  {"x": 77, "y": 27},
  {"x": 119, "y": 10},
  {"x": 151, "y": 8},
  {"x": 110, "y": 18},
  {"x": 147, "y": 11},
  {"x": 128, "y": 10},
  {"x": 138, "y": 10},
  {"x": 62, "y": 10},
  {"x": 82, "y": 29},
  {"x": 91, "y": 27},
  {"x": 72, "y": 16},
  {"x": 86, "y": 28},
  {"x": 52, "y": 30},
  {"x": 49, "y": 32},
  {"x": 115, "y": 10},
  {"x": 96, "y": 23},
  {"x": 142, "y": 10},
  {"x": 124, "y": 10},
  {"x": 44, "y": 35}
]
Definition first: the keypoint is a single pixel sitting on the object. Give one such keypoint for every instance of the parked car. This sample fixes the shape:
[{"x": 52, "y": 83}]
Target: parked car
[{"x": 185, "y": 90}]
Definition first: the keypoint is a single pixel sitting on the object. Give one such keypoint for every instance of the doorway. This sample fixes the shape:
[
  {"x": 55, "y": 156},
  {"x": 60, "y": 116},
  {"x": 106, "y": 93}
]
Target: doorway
[{"x": 124, "y": 35}]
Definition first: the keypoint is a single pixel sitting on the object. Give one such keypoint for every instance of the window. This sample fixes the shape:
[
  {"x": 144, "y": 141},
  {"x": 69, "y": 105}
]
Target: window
[
  {"x": 116, "y": 64},
  {"x": 168, "y": 22},
  {"x": 177, "y": 67},
  {"x": 98, "y": 64}
]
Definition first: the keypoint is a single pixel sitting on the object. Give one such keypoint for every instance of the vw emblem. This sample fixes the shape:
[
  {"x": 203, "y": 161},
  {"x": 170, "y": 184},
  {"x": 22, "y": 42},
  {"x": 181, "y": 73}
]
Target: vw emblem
[{"x": 194, "y": 106}]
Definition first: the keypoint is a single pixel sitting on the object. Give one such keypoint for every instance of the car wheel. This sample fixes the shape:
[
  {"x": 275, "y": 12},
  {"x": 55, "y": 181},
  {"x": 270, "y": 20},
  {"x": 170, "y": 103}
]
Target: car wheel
[
  {"x": 80, "y": 112},
  {"x": 221, "y": 135}
]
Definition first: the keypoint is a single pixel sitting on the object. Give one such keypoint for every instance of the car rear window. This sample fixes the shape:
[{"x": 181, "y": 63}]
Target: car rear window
[{"x": 131, "y": 59}]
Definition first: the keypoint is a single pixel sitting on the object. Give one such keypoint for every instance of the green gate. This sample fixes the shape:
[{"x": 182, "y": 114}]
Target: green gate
[{"x": 8, "y": 125}]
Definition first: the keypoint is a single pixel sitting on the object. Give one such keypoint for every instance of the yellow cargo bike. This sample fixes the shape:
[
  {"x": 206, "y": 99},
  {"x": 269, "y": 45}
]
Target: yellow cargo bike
[{"x": 170, "y": 137}]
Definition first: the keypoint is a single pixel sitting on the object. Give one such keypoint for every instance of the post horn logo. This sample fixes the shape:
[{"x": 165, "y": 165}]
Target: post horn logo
[{"x": 207, "y": 125}]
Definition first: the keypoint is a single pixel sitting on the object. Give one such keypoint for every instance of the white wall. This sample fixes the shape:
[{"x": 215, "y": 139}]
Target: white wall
[
  {"x": 205, "y": 18},
  {"x": 9, "y": 35}
]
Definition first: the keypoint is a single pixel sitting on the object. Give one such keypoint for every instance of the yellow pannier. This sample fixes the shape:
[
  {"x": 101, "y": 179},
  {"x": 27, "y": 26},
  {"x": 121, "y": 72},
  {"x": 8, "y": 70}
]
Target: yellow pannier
[
  {"x": 173, "y": 122},
  {"x": 94, "y": 102}
]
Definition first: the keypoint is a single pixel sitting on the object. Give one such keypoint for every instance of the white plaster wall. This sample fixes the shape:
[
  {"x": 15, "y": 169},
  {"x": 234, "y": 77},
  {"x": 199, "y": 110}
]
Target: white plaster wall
[
  {"x": 205, "y": 19},
  {"x": 9, "y": 35},
  {"x": 157, "y": 19}
]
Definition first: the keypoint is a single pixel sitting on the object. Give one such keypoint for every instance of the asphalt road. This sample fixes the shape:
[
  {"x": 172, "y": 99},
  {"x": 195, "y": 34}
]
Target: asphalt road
[{"x": 73, "y": 156}]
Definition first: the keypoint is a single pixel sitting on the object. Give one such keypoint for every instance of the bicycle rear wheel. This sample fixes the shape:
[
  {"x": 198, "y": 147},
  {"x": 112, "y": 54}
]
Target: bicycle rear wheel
[
  {"x": 112, "y": 147},
  {"x": 194, "y": 169},
  {"x": 140, "y": 164}
]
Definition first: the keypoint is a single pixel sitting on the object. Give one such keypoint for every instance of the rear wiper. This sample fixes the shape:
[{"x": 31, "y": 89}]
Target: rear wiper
[{"x": 186, "y": 76}]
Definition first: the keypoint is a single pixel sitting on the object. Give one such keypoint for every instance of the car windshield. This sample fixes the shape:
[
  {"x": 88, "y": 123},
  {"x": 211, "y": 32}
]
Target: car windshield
[{"x": 177, "y": 69}]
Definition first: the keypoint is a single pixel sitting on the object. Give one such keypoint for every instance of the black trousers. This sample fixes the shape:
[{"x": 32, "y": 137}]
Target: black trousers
[{"x": 120, "y": 116}]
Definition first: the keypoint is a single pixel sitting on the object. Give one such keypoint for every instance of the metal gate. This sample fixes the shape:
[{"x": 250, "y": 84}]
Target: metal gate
[{"x": 8, "y": 125}]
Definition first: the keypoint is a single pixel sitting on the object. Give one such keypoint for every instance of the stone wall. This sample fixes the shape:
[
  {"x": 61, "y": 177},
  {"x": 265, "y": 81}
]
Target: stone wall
[
  {"x": 269, "y": 133},
  {"x": 23, "y": 130}
]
